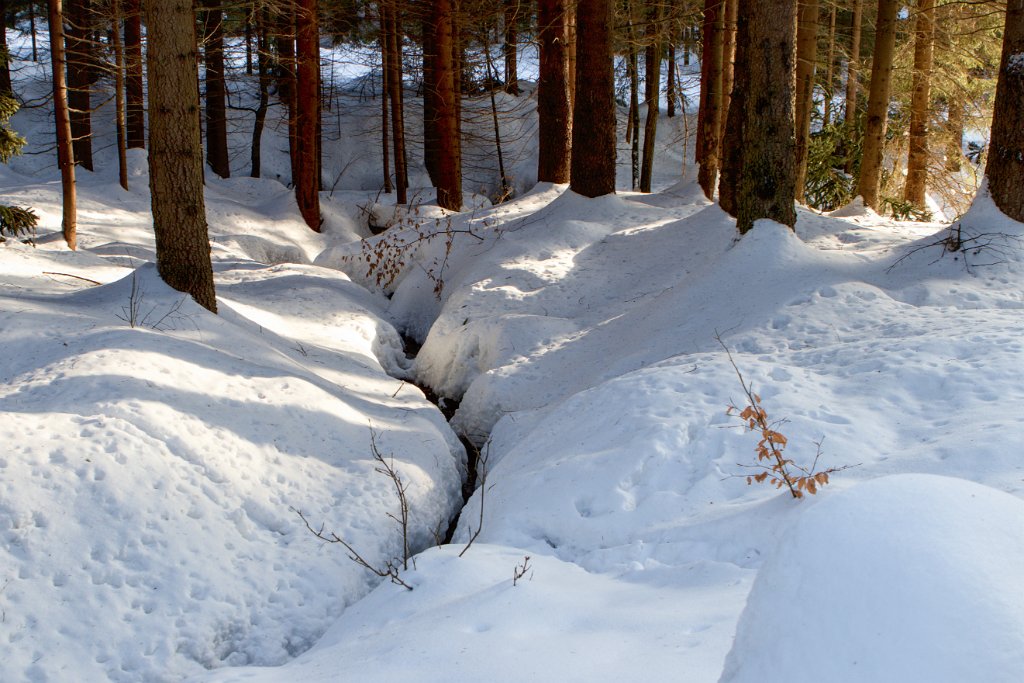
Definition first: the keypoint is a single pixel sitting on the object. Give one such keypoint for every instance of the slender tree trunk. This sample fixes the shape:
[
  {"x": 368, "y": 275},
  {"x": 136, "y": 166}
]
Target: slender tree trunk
[
  {"x": 216, "y": 105},
  {"x": 382, "y": 9},
  {"x": 262, "y": 19},
  {"x": 5, "y": 69},
  {"x": 65, "y": 148},
  {"x": 633, "y": 118},
  {"x": 79, "y": 62},
  {"x": 176, "y": 152},
  {"x": 430, "y": 95},
  {"x": 592, "y": 167},
  {"x": 506, "y": 187},
  {"x": 830, "y": 61},
  {"x": 806, "y": 59},
  {"x": 446, "y": 92},
  {"x": 878, "y": 104},
  {"x": 853, "y": 67},
  {"x": 920, "y": 105},
  {"x": 307, "y": 113},
  {"x": 250, "y": 11},
  {"x": 511, "y": 46},
  {"x": 134, "y": 93},
  {"x": 708, "y": 117},
  {"x": 653, "y": 77},
  {"x": 670, "y": 85},
  {"x": 1005, "y": 167},
  {"x": 32, "y": 29},
  {"x": 286, "y": 79},
  {"x": 119, "y": 123},
  {"x": 394, "y": 68},
  {"x": 732, "y": 8},
  {"x": 554, "y": 108},
  {"x": 759, "y": 164}
]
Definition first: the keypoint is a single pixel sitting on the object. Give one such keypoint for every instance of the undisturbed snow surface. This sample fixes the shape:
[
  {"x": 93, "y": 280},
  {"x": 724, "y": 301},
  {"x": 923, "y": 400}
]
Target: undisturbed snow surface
[{"x": 153, "y": 458}]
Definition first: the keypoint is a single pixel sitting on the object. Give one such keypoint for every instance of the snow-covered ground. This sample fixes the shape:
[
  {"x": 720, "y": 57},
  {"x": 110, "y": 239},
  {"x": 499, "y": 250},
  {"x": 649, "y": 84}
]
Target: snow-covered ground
[{"x": 154, "y": 458}]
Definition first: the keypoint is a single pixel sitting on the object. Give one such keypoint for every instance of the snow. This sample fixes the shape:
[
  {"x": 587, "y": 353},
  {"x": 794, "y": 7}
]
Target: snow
[
  {"x": 901, "y": 558},
  {"x": 153, "y": 456}
]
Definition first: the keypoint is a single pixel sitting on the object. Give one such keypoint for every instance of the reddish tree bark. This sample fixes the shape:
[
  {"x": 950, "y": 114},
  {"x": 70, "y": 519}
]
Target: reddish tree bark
[
  {"x": 592, "y": 166},
  {"x": 554, "y": 109},
  {"x": 65, "y": 149},
  {"x": 216, "y": 105},
  {"x": 135, "y": 119},
  {"x": 307, "y": 113}
]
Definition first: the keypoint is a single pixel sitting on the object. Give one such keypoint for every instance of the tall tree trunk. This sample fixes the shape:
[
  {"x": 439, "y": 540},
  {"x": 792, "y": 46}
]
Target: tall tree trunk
[
  {"x": 385, "y": 126},
  {"x": 394, "y": 68},
  {"x": 732, "y": 8},
  {"x": 633, "y": 118},
  {"x": 262, "y": 19},
  {"x": 65, "y": 148},
  {"x": 592, "y": 167},
  {"x": 176, "y": 152},
  {"x": 307, "y": 113},
  {"x": 708, "y": 117},
  {"x": 216, "y": 105},
  {"x": 430, "y": 94},
  {"x": 5, "y": 69},
  {"x": 446, "y": 92},
  {"x": 286, "y": 85},
  {"x": 806, "y": 59},
  {"x": 878, "y": 104},
  {"x": 134, "y": 94},
  {"x": 32, "y": 29},
  {"x": 554, "y": 109},
  {"x": 670, "y": 85},
  {"x": 250, "y": 11},
  {"x": 511, "y": 46},
  {"x": 1005, "y": 167},
  {"x": 830, "y": 62},
  {"x": 653, "y": 77},
  {"x": 853, "y": 67},
  {"x": 80, "y": 63},
  {"x": 570, "y": 48},
  {"x": 920, "y": 104},
  {"x": 119, "y": 124},
  {"x": 759, "y": 164}
]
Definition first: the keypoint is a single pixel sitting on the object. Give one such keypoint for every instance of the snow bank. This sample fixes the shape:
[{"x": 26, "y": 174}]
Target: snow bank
[{"x": 905, "y": 578}]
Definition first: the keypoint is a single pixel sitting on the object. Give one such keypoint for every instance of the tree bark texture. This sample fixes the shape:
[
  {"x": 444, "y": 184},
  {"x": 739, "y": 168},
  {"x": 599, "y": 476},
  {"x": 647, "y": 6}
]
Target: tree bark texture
[
  {"x": 446, "y": 91},
  {"x": 307, "y": 113},
  {"x": 135, "y": 116},
  {"x": 5, "y": 69},
  {"x": 285, "y": 71},
  {"x": 80, "y": 63},
  {"x": 732, "y": 8},
  {"x": 511, "y": 46},
  {"x": 853, "y": 65},
  {"x": 263, "y": 69},
  {"x": 879, "y": 93},
  {"x": 176, "y": 152},
  {"x": 1005, "y": 167},
  {"x": 216, "y": 103},
  {"x": 65, "y": 149},
  {"x": 806, "y": 60},
  {"x": 394, "y": 84},
  {"x": 119, "y": 123},
  {"x": 760, "y": 164},
  {"x": 554, "y": 108},
  {"x": 920, "y": 104},
  {"x": 653, "y": 77},
  {"x": 592, "y": 167},
  {"x": 710, "y": 111}
]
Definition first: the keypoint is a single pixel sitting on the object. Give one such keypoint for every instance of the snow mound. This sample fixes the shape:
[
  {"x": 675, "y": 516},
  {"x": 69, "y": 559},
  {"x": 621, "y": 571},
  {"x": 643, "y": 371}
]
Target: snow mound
[{"x": 904, "y": 578}]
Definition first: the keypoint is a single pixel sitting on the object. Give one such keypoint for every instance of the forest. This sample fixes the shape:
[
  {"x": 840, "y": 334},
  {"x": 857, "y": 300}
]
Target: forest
[{"x": 566, "y": 340}]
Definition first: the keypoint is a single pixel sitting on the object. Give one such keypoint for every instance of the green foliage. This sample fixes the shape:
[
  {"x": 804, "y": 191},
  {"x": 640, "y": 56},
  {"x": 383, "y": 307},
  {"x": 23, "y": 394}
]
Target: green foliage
[
  {"x": 15, "y": 221},
  {"x": 828, "y": 186},
  {"x": 902, "y": 210}
]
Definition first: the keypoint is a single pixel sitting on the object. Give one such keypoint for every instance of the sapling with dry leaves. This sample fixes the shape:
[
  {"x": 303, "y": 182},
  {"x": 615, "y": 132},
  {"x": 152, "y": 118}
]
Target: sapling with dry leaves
[{"x": 775, "y": 467}]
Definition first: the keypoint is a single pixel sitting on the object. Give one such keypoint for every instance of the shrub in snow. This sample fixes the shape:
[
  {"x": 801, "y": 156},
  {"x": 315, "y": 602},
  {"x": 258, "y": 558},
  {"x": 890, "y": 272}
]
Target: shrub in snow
[{"x": 903, "y": 578}]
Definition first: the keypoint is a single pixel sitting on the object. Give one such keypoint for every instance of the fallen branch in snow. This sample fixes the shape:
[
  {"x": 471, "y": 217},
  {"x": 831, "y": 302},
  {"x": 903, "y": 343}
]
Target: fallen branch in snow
[
  {"x": 997, "y": 244},
  {"x": 77, "y": 277},
  {"x": 779, "y": 470},
  {"x": 389, "y": 571}
]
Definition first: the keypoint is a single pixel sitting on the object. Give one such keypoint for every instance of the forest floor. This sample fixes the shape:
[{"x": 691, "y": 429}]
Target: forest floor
[{"x": 155, "y": 458}]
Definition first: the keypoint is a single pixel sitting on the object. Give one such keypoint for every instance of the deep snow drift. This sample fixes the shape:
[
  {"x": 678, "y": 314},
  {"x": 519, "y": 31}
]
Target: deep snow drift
[{"x": 153, "y": 456}]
